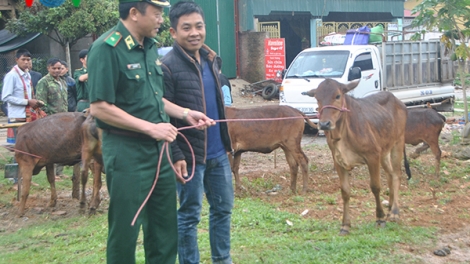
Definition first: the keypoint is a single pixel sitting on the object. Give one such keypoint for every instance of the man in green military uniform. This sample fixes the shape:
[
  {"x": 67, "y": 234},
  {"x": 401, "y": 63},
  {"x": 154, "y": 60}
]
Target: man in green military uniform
[
  {"x": 52, "y": 89},
  {"x": 126, "y": 89},
  {"x": 81, "y": 79}
]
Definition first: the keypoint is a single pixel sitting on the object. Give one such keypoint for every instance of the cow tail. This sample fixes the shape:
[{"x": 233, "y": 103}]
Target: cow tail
[
  {"x": 407, "y": 165},
  {"x": 310, "y": 123}
]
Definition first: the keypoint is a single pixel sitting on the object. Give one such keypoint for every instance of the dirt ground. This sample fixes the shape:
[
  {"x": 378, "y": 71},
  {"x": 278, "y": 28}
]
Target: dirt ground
[{"x": 266, "y": 176}]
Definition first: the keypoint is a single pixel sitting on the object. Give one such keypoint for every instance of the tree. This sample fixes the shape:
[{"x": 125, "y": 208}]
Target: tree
[
  {"x": 66, "y": 24},
  {"x": 164, "y": 37},
  {"x": 453, "y": 18}
]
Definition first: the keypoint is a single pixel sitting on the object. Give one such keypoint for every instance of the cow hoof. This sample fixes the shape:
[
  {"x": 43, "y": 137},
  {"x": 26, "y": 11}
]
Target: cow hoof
[
  {"x": 82, "y": 204},
  {"x": 394, "y": 218},
  {"x": 92, "y": 211},
  {"x": 52, "y": 204},
  {"x": 343, "y": 232},
  {"x": 380, "y": 223}
]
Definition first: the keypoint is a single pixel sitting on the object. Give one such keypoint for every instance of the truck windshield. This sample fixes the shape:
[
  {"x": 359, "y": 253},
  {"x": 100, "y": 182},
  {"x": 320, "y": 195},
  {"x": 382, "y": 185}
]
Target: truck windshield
[{"x": 319, "y": 64}]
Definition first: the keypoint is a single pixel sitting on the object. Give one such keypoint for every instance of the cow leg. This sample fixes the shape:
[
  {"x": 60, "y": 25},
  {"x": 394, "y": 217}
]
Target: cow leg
[
  {"x": 303, "y": 161},
  {"x": 374, "y": 171},
  {"x": 235, "y": 166},
  {"x": 437, "y": 154},
  {"x": 422, "y": 148},
  {"x": 392, "y": 167},
  {"x": 84, "y": 180},
  {"x": 419, "y": 150},
  {"x": 51, "y": 178},
  {"x": 345, "y": 194},
  {"x": 97, "y": 183},
  {"x": 76, "y": 182},
  {"x": 294, "y": 169},
  {"x": 25, "y": 173}
]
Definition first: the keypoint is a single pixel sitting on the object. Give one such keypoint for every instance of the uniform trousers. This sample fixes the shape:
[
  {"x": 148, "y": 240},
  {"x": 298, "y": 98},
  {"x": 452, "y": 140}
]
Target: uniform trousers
[{"x": 130, "y": 165}]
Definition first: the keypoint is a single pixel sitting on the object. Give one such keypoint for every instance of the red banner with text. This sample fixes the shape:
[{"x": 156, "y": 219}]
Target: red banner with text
[{"x": 274, "y": 57}]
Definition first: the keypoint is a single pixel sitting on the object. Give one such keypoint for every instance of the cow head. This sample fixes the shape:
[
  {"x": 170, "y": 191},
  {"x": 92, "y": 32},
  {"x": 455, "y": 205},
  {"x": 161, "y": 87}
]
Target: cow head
[{"x": 330, "y": 96}]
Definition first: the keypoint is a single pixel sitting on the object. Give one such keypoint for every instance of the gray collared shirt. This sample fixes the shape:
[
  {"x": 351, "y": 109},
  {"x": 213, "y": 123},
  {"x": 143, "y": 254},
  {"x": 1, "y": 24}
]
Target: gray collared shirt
[{"x": 13, "y": 92}]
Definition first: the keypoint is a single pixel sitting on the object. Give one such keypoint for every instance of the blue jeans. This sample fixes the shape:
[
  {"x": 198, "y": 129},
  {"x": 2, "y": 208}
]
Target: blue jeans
[{"x": 214, "y": 179}]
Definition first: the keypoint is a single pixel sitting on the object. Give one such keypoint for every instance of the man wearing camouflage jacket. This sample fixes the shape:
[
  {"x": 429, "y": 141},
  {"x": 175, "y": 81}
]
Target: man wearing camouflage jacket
[{"x": 52, "y": 89}]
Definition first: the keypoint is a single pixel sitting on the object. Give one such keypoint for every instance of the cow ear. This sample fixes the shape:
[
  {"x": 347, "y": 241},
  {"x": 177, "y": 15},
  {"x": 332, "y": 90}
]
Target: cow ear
[
  {"x": 310, "y": 93},
  {"x": 348, "y": 87}
]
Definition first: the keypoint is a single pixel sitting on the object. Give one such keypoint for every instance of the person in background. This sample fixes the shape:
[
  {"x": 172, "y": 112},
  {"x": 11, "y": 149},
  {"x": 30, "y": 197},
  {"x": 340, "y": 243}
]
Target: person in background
[
  {"x": 71, "y": 88},
  {"x": 17, "y": 89},
  {"x": 35, "y": 76},
  {"x": 225, "y": 83},
  {"x": 190, "y": 69},
  {"x": 52, "y": 90},
  {"x": 18, "y": 92},
  {"x": 81, "y": 79},
  {"x": 126, "y": 95}
]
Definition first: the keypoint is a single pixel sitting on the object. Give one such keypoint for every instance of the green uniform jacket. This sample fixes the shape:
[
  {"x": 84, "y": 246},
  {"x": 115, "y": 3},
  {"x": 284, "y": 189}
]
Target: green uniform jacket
[
  {"x": 82, "y": 90},
  {"x": 123, "y": 73},
  {"x": 53, "y": 93}
]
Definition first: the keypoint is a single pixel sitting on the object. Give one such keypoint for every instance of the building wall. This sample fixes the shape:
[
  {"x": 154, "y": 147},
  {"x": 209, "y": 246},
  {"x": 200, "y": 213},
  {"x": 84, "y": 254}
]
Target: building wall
[
  {"x": 220, "y": 31},
  {"x": 318, "y": 8},
  {"x": 252, "y": 55}
]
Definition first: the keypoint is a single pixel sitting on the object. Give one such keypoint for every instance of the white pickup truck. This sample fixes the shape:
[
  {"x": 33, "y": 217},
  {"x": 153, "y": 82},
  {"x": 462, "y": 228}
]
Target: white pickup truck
[{"x": 417, "y": 73}]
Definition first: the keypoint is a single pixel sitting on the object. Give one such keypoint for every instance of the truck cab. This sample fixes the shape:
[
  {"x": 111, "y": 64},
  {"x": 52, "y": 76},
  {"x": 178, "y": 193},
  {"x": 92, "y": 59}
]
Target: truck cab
[
  {"x": 413, "y": 78},
  {"x": 314, "y": 65}
]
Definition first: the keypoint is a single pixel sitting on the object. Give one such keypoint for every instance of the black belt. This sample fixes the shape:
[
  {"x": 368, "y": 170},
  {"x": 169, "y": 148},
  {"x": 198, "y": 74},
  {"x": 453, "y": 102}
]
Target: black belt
[{"x": 128, "y": 133}]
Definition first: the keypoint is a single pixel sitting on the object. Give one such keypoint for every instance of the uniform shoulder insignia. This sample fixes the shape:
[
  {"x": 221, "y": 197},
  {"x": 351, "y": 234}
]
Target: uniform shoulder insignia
[{"x": 113, "y": 38}]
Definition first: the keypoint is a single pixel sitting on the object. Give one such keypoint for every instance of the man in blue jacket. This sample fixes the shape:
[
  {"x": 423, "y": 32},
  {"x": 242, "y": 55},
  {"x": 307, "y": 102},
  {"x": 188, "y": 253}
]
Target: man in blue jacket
[{"x": 192, "y": 80}]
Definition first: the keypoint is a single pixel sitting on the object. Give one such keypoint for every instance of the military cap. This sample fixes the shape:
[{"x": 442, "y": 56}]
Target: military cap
[
  {"x": 161, "y": 3},
  {"x": 82, "y": 54}
]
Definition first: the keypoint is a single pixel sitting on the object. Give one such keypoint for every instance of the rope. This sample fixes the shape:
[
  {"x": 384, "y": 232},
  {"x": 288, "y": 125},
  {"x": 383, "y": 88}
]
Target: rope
[
  {"x": 26, "y": 153},
  {"x": 342, "y": 109},
  {"x": 166, "y": 147}
]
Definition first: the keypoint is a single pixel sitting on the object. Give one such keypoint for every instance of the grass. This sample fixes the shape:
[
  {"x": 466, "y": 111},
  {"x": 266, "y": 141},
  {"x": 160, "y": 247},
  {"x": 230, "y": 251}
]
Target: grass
[{"x": 260, "y": 234}]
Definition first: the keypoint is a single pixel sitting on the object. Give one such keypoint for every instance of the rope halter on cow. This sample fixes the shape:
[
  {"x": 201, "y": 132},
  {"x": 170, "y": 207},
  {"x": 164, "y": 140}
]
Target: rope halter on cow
[{"x": 342, "y": 109}]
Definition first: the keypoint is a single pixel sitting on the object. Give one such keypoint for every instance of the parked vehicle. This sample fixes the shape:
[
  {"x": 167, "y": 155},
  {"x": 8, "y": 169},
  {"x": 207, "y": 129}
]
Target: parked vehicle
[{"x": 417, "y": 73}]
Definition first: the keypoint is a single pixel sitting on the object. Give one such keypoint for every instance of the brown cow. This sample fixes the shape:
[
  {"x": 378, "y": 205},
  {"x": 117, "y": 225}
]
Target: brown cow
[
  {"x": 424, "y": 125},
  {"x": 266, "y": 136},
  {"x": 54, "y": 139},
  {"x": 91, "y": 149},
  {"x": 367, "y": 131}
]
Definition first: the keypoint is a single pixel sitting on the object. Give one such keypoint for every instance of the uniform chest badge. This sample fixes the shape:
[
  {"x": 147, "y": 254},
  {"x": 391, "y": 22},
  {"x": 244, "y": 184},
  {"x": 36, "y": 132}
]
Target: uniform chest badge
[{"x": 133, "y": 66}]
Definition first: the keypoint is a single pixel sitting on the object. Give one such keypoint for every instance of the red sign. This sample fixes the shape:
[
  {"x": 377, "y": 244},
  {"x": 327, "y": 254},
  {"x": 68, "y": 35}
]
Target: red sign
[{"x": 274, "y": 57}]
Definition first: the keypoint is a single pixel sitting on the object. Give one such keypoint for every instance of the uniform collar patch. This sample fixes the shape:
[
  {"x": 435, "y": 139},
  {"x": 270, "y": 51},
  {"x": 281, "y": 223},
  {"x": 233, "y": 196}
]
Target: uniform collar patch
[{"x": 129, "y": 42}]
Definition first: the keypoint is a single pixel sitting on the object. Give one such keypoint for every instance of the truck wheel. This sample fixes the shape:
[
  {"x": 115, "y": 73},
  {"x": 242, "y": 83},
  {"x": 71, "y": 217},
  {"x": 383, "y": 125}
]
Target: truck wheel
[{"x": 270, "y": 91}]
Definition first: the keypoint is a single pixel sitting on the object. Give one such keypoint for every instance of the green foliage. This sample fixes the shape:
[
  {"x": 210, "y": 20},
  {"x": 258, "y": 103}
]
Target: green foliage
[
  {"x": 68, "y": 22},
  {"x": 458, "y": 82},
  {"x": 445, "y": 16},
  {"x": 40, "y": 65},
  {"x": 164, "y": 37}
]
